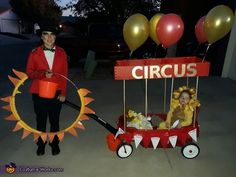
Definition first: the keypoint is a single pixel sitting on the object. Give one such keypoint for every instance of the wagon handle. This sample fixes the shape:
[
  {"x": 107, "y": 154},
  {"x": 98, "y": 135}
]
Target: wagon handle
[{"x": 102, "y": 122}]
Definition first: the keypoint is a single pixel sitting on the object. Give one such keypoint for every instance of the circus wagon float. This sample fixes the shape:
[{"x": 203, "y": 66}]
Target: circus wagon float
[{"x": 140, "y": 131}]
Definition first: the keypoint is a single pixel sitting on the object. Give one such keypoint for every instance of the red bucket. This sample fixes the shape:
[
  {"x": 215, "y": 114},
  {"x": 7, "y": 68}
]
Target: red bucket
[
  {"x": 47, "y": 89},
  {"x": 112, "y": 143}
]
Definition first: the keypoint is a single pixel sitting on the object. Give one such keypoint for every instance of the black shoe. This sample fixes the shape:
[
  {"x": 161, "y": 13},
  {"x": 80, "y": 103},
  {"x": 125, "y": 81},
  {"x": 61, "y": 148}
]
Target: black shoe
[
  {"x": 41, "y": 147},
  {"x": 55, "y": 149},
  {"x": 41, "y": 150}
]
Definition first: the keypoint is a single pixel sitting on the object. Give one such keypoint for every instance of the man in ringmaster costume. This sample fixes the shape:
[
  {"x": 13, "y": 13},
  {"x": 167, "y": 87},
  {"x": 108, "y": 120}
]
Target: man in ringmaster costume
[{"x": 47, "y": 62}]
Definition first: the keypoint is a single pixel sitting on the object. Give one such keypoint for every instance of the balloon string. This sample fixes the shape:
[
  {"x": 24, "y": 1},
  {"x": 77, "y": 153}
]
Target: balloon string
[
  {"x": 130, "y": 54},
  {"x": 196, "y": 50},
  {"x": 208, "y": 46}
]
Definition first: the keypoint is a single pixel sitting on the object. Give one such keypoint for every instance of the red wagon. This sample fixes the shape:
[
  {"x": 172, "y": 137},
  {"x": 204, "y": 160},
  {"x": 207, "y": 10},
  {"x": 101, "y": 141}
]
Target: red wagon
[{"x": 165, "y": 68}]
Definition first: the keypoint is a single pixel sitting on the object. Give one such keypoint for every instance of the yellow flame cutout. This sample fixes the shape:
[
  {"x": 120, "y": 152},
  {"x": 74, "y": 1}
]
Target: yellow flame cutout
[{"x": 27, "y": 130}]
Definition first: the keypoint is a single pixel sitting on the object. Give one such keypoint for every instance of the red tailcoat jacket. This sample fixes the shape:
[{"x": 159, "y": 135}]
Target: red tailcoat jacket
[{"x": 37, "y": 65}]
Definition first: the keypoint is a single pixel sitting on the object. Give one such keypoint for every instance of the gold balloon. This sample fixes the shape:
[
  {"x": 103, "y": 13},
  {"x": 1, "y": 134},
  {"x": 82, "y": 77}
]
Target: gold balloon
[
  {"x": 153, "y": 27},
  {"x": 136, "y": 31},
  {"x": 218, "y": 23}
]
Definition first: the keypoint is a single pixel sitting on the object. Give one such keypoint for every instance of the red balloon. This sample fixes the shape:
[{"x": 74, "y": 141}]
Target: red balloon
[
  {"x": 169, "y": 29},
  {"x": 199, "y": 30}
]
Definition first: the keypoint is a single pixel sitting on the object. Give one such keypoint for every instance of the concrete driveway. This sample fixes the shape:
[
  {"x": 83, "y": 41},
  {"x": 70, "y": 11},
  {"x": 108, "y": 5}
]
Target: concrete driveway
[{"x": 88, "y": 155}]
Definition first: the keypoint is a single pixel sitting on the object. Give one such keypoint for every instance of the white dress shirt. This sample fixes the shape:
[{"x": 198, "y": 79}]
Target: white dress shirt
[{"x": 50, "y": 57}]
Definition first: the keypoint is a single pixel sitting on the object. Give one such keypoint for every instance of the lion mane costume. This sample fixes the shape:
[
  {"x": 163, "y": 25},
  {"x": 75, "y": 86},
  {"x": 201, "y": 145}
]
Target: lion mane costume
[{"x": 182, "y": 113}]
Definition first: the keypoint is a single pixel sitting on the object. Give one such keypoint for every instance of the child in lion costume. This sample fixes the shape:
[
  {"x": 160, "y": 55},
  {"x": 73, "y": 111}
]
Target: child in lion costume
[{"x": 183, "y": 105}]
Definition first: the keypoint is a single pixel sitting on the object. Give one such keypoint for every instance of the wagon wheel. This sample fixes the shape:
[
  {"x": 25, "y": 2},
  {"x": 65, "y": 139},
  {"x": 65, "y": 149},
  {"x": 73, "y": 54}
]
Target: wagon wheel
[
  {"x": 124, "y": 150},
  {"x": 190, "y": 150}
]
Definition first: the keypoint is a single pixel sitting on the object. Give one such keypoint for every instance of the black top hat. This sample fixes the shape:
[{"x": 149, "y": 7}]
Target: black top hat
[{"x": 47, "y": 26}]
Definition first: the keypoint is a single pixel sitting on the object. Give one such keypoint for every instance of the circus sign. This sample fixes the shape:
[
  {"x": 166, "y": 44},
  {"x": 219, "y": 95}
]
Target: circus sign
[{"x": 161, "y": 68}]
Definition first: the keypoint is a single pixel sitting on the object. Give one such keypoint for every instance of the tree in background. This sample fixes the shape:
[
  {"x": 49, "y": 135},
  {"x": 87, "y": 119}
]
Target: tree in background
[
  {"x": 33, "y": 11},
  {"x": 112, "y": 11}
]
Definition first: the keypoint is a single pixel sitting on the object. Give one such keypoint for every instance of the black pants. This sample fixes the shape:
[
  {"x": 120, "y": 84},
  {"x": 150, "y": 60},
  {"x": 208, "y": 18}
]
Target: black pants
[{"x": 44, "y": 108}]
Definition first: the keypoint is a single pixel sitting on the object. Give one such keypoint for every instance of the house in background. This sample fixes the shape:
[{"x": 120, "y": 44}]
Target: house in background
[{"x": 9, "y": 22}]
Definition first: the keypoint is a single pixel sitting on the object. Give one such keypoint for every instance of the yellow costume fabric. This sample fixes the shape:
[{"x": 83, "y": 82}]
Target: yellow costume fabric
[{"x": 178, "y": 112}]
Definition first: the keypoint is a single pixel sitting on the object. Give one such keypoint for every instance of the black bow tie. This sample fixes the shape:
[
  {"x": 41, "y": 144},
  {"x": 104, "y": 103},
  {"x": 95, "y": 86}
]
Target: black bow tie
[{"x": 47, "y": 49}]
